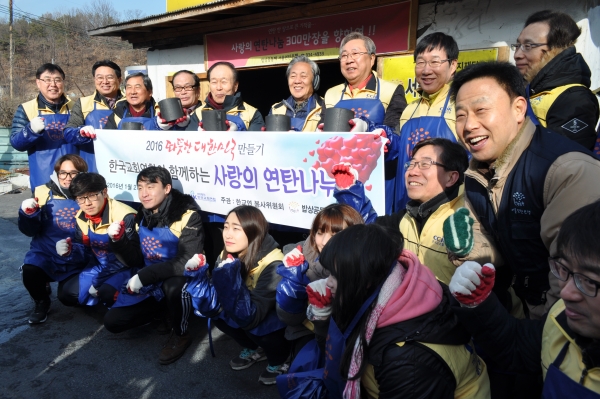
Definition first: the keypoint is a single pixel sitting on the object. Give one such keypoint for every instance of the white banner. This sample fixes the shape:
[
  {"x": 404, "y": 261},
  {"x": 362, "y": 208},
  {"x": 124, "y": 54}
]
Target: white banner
[{"x": 284, "y": 174}]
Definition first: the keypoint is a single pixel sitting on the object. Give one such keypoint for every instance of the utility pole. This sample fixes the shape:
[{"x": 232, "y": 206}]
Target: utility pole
[{"x": 11, "y": 50}]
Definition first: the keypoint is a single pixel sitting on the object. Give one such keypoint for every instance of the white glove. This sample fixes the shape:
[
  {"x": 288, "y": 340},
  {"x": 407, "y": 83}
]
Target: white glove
[
  {"x": 162, "y": 124},
  {"x": 185, "y": 119},
  {"x": 134, "y": 284},
  {"x": 200, "y": 127},
  {"x": 472, "y": 283},
  {"x": 30, "y": 206},
  {"x": 63, "y": 247},
  {"x": 320, "y": 127},
  {"x": 319, "y": 300},
  {"x": 88, "y": 131},
  {"x": 37, "y": 124},
  {"x": 226, "y": 261},
  {"x": 93, "y": 292},
  {"x": 116, "y": 230},
  {"x": 358, "y": 125},
  {"x": 196, "y": 262},
  {"x": 294, "y": 258},
  {"x": 231, "y": 127}
]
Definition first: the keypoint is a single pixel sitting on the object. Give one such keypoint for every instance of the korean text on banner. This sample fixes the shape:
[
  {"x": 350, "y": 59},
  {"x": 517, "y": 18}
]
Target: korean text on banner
[{"x": 286, "y": 175}]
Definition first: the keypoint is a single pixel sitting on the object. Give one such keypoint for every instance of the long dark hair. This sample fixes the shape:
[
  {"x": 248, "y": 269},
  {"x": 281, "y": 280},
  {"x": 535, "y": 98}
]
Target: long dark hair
[
  {"x": 360, "y": 258},
  {"x": 256, "y": 228}
]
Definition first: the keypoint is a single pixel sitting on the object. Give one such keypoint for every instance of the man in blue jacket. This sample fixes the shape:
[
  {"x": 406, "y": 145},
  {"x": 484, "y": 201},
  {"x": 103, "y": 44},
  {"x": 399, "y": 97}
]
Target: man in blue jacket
[{"x": 38, "y": 125}]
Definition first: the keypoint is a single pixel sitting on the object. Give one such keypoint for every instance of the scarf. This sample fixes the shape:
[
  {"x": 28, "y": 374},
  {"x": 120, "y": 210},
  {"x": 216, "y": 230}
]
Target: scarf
[
  {"x": 97, "y": 219},
  {"x": 213, "y": 104},
  {"x": 391, "y": 284}
]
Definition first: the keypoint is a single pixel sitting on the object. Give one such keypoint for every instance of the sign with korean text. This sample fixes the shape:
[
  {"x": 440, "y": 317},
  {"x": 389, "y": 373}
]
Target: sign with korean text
[
  {"x": 286, "y": 175},
  {"x": 318, "y": 38},
  {"x": 174, "y": 5},
  {"x": 401, "y": 68}
]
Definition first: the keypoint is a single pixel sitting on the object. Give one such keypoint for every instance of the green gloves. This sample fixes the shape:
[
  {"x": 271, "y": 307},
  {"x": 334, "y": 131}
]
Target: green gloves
[{"x": 458, "y": 232}]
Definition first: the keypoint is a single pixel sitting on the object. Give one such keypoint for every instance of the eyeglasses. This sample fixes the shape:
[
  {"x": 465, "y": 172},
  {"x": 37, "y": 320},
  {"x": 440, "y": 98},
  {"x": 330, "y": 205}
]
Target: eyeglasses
[
  {"x": 525, "y": 47},
  {"x": 91, "y": 197},
  {"x": 63, "y": 175},
  {"x": 584, "y": 284},
  {"x": 433, "y": 64},
  {"x": 109, "y": 78},
  {"x": 49, "y": 81},
  {"x": 179, "y": 89},
  {"x": 353, "y": 56},
  {"x": 423, "y": 164}
]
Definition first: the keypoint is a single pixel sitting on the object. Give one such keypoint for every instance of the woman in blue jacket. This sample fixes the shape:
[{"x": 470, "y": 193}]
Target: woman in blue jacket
[{"x": 49, "y": 217}]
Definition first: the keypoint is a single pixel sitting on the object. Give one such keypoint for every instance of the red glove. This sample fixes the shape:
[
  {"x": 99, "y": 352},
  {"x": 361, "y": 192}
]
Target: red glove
[
  {"x": 195, "y": 263},
  {"x": 30, "y": 206},
  {"x": 201, "y": 127},
  {"x": 294, "y": 257},
  {"x": 380, "y": 133},
  {"x": 184, "y": 120},
  {"x": 358, "y": 125},
  {"x": 263, "y": 129},
  {"x": 231, "y": 127},
  {"x": 88, "y": 131},
  {"x": 345, "y": 175},
  {"x": 320, "y": 127},
  {"x": 116, "y": 230},
  {"x": 64, "y": 246},
  {"x": 471, "y": 283},
  {"x": 319, "y": 295}
]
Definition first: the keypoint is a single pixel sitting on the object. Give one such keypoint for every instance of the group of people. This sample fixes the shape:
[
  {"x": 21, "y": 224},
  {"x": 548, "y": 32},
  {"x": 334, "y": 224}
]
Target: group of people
[{"x": 479, "y": 281}]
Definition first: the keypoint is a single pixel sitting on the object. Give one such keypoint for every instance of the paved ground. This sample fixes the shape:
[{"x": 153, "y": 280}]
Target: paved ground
[{"x": 73, "y": 356}]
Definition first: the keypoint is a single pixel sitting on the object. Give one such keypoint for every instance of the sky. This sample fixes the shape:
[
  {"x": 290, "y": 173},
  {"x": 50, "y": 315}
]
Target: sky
[{"x": 37, "y": 7}]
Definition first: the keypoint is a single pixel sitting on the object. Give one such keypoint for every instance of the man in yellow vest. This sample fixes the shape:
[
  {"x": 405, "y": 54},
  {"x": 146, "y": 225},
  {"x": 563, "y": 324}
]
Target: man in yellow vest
[
  {"x": 564, "y": 344},
  {"x": 433, "y": 177},
  {"x": 432, "y": 115},
  {"x": 304, "y": 106},
  {"x": 92, "y": 112},
  {"x": 558, "y": 77},
  {"x": 377, "y": 103},
  {"x": 38, "y": 125},
  {"x": 223, "y": 95}
]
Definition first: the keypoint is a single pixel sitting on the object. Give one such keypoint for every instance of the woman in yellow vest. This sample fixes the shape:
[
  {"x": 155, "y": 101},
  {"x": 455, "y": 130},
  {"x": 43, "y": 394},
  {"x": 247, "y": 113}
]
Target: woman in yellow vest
[
  {"x": 245, "y": 281},
  {"x": 564, "y": 346},
  {"x": 391, "y": 332}
]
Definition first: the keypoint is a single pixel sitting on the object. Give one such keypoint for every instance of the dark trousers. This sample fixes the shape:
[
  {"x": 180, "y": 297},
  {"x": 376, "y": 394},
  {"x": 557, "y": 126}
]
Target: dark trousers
[
  {"x": 34, "y": 280},
  {"x": 177, "y": 302},
  {"x": 69, "y": 293},
  {"x": 276, "y": 347}
]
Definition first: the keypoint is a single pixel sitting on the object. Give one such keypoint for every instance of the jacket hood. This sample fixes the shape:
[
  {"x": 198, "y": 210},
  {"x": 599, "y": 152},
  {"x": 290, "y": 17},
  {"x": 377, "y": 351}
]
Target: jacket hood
[
  {"x": 56, "y": 188},
  {"x": 568, "y": 67},
  {"x": 419, "y": 293},
  {"x": 175, "y": 205}
]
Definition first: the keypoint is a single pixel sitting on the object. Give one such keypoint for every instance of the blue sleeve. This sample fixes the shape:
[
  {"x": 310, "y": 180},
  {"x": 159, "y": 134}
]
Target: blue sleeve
[
  {"x": 21, "y": 136},
  {"x": 72, "y": 136},
  {"x": 356, "y": 198},
  {"x": 30, "y": 225},
  {"x": 291, "y": 291},
  {"x": 394, "y": 145},
  {"x": 233, "y": 294}
]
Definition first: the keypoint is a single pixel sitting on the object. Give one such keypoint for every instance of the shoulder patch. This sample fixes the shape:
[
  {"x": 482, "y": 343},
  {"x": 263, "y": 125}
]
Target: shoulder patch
[{"x": 574, "y": 125}]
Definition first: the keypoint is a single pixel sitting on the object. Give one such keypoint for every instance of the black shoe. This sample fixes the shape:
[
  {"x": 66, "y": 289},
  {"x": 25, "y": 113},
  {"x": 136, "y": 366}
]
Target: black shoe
[
  {"x": 174, "y": 348},
  {"x": 40, "y": 312},
  {"x": 269, "y": 376},
  {"x": 247, "y": 358}
]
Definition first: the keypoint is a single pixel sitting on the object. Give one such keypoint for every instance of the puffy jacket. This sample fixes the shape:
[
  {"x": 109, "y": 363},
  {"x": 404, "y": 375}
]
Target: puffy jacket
[
  {"x": 43, "y": 148},
  {"x": 532, "y": 345},
  {"x": 561, "y": 98},
  {"x": 311, "y": 112},
  {"x": 235, "y": 106},
  {"x": 571, "y": 182},
  {"x": 180, "y": 213}
]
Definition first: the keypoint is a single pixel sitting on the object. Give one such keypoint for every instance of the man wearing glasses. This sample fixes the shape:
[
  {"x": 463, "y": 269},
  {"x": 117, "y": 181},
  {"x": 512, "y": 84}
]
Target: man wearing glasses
[
  {"x": 558, "y": 77},
  {"x": 434, "y": 179},
  {"x": 38, "y": 125},
  {"x": 564, "y": 345},
  {"x": 138, "y": 106},
  {"x": 186, "y": 86},
  {"x": 377, "y": 104},
  {"x": 432, "y": 115},
  {"x": 92, "y": 112}
]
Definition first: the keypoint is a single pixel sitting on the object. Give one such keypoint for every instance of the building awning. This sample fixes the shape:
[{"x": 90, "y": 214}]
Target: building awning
[{"x": 188, "y": 26}]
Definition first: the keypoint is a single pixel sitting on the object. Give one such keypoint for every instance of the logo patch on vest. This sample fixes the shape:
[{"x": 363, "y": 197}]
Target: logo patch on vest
[
  {"x": 437, "y": 240},
  {"x": 519, "y": 200},
  {"x": 574, "y": 125}
]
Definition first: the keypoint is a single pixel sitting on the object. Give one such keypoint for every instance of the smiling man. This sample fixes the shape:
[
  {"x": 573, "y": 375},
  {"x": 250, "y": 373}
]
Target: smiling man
[
  {"x": 137, "y": 106},
  {"x": 558, "y": 77},
  {"x": 170, "y": 232},
  {"x": 224, "y": 95},
  {"x": 523, "y": 179},
  {"x": 563, "y": 346},
  {"x": 92, "y": 112},
  {"x": 38, "y": 125},
  {"x": 304, "y": 106},
  {"x": 377, "y": 103}
]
